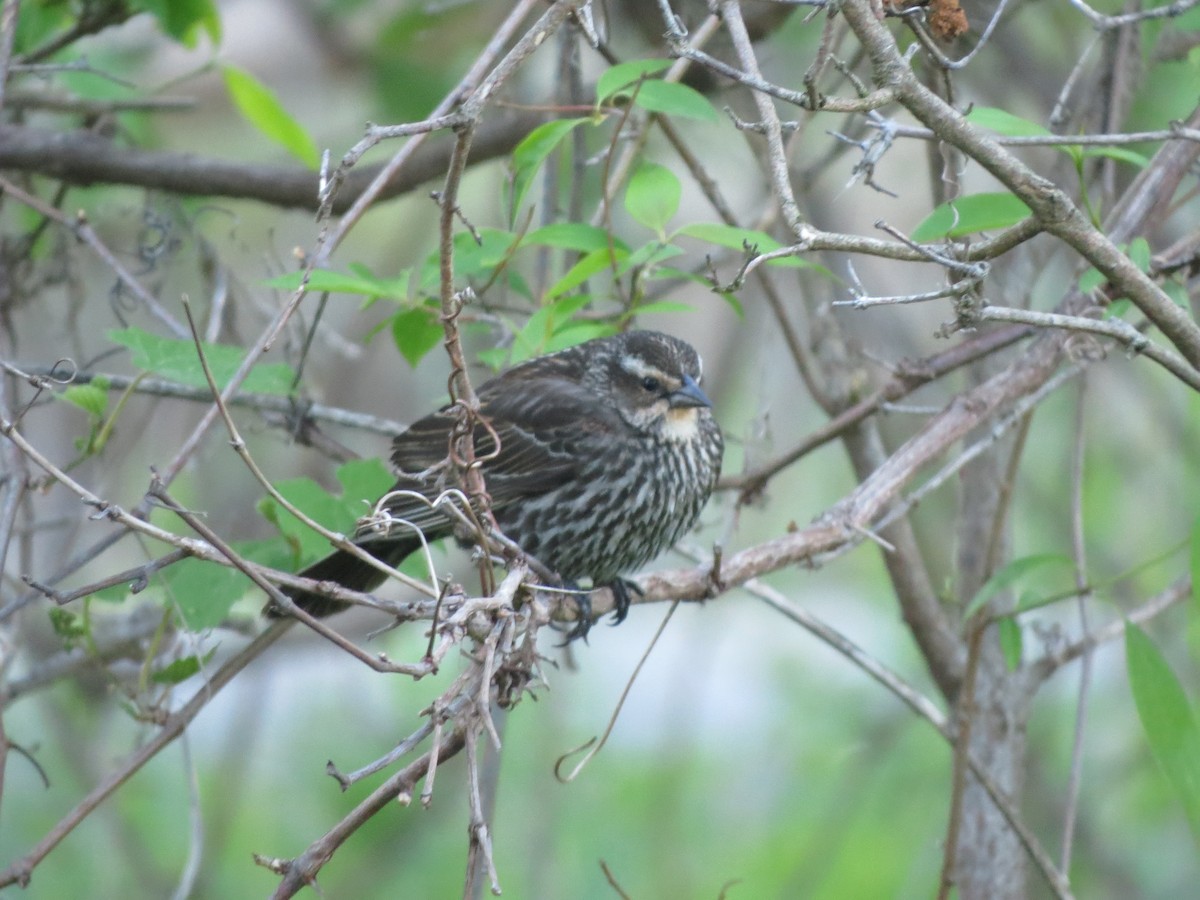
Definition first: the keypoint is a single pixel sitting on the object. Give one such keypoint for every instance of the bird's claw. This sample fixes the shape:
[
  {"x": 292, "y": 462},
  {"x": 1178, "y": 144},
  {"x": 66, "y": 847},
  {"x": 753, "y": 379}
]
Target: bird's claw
[
  {"x": 583, "y": 624},
  {"x": 620, "y": 590}
]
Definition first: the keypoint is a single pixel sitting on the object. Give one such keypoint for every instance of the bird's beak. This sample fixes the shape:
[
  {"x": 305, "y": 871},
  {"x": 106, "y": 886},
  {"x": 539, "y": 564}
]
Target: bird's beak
[{"x": 688, "y": 396}]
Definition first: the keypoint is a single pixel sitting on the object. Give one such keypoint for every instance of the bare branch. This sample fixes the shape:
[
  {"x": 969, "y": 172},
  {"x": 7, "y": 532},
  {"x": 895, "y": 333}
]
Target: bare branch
[
  {"x": 21, "y": 870},
  {"x": 85, "y": 158}
]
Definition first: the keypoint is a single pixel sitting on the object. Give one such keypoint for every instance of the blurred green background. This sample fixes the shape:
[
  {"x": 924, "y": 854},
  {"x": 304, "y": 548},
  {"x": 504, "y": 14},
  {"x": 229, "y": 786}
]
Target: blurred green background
[{"x": 749, "y": 758}]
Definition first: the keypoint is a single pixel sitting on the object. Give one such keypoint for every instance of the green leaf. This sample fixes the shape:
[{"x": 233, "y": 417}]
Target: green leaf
[
  {"x": 92, "y": 398},
  {"x": 416, "y": 331},
  {"x": 262, "y": 109},
  {"x": 1120, "y": 154},
  {"x": 662, "y": 306},
  {"x": 1090, "y": 280},
  {"x": 1010, "y": 642},
  {"x": 591, "y": 264},
  {"x": 653, "y": 195},
  {"x": 1118, "y": 308},
  {"x": 1167, "y": 718},
  {"x": 38, "y": 22},
  {"x": 649, "y": 255},
  {"x": 1020, "y": 572},
  {"x": 1194, "y": 565},
  {"x": 739, "y": 238},
  {"x": 1139, "y": 253},
  {"x": 1173, "y": 289},
  {"x": 672, "y": 99},
  {"x": 529, "y": 155},
  {"x": 1003, "y": 122},
  {"x": 577, "y": 331},
  {"x": 734, "y": 303},
  {"x": 360, "y": 281},
  {"x": 494, "y": 358},
  {"x": 729, "y": 236},
  {"x": 115, "y": 593},
  {"x": 535, "y": 337},
  {"x": 671, "y": 272},
  {"x": 204, "y": 592},
  {"x": 516, "y": 283},
  {"x": 571, "y": 236},
  {"x": 626, "y": 75},
  {"x": 316, "y": 503},
  {"x": 474, "y": 258},
  {"x": 364, "y": 479},
  {"x": 70, "y": 627},
  {"x": 182, "y": 669},
  {"x": 967, "y": 215},
  {"x": 176, "y": 360},
  {"x": 362, "y": 483},
  {"x": 185, "y": 20}
]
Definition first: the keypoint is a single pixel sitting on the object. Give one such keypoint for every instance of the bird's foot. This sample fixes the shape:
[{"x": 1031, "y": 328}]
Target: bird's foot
[
  {"x": 620, "y": 590},
  {"x": 583, "y": 612}
]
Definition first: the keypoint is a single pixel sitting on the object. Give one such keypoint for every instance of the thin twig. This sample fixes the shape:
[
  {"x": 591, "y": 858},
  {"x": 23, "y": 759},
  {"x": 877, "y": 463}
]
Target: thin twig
[
  {"x": 1079, "y": 556},
  {"x": 1108, "y": 23},
  {"x": 288, "y": 407},
  {"x": 82, "y": 229},
  {"x": 467, "y": 83},
  {"x": 908, "y": 377},
  {"x": 173, "y": 726},
  {"x": 1127, "y": 334},
  {"x": 239, "y": 446},
  {"x": 927, "y": 710},
  {"x": 1058, "y": 657},
  {"x": 378, "y": 662},
  {"x": 593, "y": 746},
  {"x": 301, "y": 872}
]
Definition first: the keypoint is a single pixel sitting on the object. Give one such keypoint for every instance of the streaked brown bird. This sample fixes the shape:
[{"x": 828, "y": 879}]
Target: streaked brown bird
[{"x": 608, "y": 451}]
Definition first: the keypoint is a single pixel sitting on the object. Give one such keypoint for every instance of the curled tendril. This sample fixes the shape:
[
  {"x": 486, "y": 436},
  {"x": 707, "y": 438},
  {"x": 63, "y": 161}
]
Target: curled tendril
[
  {"x": 156, "y": 240},
  {"x": 71, "y": 367}
]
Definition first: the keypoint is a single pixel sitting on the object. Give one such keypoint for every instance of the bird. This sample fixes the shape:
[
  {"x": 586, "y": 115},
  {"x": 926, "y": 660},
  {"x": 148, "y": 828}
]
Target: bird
[{"x": 595, "y": 458}]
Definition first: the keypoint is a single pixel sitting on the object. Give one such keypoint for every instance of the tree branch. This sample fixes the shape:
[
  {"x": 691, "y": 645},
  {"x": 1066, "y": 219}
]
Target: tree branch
[{"x": 85, "y": 158}]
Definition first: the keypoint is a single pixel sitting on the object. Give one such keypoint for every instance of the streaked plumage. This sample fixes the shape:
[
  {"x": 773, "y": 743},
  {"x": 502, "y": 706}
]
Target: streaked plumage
[{"x": 608, "y": 452}]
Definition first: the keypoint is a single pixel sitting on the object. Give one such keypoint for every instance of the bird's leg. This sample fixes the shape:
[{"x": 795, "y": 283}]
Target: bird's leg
[
  {"x": 583, "y": 611},
  {"x": 620, "y": 590}
]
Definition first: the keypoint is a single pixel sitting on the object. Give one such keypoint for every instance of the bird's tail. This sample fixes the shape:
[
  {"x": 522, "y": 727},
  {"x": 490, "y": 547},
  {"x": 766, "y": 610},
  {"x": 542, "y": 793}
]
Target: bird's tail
[{"x": 347, "y": 570}]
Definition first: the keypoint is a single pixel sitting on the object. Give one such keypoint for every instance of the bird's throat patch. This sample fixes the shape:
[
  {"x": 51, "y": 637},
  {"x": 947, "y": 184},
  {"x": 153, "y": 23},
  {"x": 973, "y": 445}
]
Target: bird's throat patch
[{"x": 681, "y": 424}]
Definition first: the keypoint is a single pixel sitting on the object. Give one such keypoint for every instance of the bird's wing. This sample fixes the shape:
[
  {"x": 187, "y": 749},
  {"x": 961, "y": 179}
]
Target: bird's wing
[
  {"x": 546, "y": 426},
  {"x": 543, "y": 422}
]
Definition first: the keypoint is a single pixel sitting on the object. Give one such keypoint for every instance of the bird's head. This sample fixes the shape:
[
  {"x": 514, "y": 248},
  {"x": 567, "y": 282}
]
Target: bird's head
[{"x": 655, "y": 384}]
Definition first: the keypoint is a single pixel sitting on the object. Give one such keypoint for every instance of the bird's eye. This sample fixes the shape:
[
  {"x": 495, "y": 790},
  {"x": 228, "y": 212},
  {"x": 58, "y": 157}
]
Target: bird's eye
[{"x": 651, "y": 384}]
